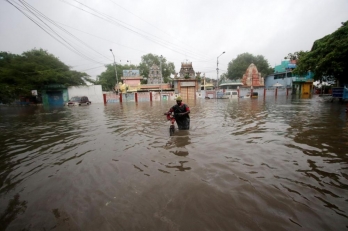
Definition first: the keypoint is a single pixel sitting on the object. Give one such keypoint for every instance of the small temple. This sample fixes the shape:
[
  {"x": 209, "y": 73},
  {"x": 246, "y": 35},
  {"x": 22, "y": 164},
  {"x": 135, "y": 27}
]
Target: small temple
[{"x": 252, "y": 77}]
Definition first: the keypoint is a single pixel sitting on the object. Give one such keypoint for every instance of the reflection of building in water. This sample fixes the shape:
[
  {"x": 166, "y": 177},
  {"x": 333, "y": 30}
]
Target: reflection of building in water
[
  {"x": 181, "y": 141},
  {"x": 252, "y": 77},
  {"x": 177, "y": 145},
  {"x": 180, "y": 167},
  {"x": 180, "y": 152}
]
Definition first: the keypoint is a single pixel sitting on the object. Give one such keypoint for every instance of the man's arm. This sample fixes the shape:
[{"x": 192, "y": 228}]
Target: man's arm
[{"x": 186, "y": 112}]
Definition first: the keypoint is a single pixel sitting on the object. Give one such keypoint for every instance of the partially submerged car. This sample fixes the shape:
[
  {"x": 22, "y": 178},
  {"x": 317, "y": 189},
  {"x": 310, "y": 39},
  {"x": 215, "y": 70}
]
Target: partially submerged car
[
  {"x": 230, "y": 95},
  {"x": 78, "y": 101}
]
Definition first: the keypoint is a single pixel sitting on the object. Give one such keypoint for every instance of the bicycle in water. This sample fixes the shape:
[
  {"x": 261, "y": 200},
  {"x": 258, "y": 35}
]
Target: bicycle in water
[{"x": 171, "y": 118}]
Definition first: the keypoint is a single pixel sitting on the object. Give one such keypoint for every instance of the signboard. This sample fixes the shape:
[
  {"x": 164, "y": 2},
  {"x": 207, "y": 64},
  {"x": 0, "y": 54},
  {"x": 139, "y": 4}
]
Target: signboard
[
  {"x": 131, "y": 73},
  {"x": 34, "y": 92},
  {"x": 188, "y": 84}
]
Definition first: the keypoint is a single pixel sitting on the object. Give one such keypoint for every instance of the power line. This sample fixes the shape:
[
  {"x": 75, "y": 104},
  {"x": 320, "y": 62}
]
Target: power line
[
  {"x": 148, "y": 23},
  {"x": 47, "y": 29},
  {"x": 64, "y": 30},
  {"x": 112, "y": 20},
  {"x": 100, "y": 37}
]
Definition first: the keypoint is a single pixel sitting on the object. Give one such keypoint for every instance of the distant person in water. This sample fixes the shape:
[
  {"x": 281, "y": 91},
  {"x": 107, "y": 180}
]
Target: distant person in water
[{"x": 181, "y": 114}]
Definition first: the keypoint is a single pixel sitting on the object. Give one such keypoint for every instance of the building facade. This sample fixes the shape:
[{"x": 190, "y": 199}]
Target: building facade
[
  {"x": 187, "y": 84},
  {"x": 283, "y": 77},
  {"x": 131, "y": 81}
]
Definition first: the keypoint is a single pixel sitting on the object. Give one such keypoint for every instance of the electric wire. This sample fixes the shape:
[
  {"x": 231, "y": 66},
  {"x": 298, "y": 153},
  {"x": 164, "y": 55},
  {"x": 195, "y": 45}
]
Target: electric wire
[
  {"x": 54, "y": 23},
  {"x": 113, "y": 21},
  {"x": 152, "y": 25},
  {"x": 67, "y": 44},
  {"x": 119, "y": 21}
]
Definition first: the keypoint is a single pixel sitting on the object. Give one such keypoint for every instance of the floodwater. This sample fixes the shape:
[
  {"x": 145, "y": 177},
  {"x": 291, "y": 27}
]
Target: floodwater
[{"x": 248, "y": 164}]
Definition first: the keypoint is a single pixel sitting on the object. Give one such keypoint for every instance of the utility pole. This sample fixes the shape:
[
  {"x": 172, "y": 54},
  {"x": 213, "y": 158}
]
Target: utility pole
[
  {"x": 161, "y": 75},
  {"x": 115, "y": 73},
  {"x": 217, "y": 69}
]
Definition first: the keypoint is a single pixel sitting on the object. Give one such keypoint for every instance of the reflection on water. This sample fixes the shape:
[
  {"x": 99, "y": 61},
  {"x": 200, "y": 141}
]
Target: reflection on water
[
  {"x": 245, "y": 164},
  {"x": 177, "y": 144}
]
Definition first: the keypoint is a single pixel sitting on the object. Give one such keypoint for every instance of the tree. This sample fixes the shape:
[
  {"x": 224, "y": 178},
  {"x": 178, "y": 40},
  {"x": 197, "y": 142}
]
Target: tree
[
  {"x": 328, "y": 57},
  {"x": 237, "y": 67},
  {"x": 148, "y": 60},
  {"x": 19, "y": 74},
  {"x": 296, "y": 55},
  {"x": 107, "y": 79}
]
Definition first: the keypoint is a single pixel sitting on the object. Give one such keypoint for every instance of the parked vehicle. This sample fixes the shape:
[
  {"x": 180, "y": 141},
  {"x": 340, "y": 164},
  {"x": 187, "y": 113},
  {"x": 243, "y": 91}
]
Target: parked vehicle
[
  {"x": 255, "y": 95},
  {"x": 249, "y": 95},
  {"x": 230, "y": 95},
  {"x": 78, "y": 101}
]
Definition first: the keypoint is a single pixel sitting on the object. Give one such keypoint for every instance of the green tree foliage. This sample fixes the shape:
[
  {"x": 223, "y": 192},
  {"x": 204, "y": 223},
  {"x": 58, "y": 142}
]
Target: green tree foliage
[
  {"x": 328, "y": 56},
  {"x": 237, "y": 67},
  {"x": 148, "y": 60},
  {"x": 19, "y": 74},
  {"x": 296, "y": 55},
  {"x": 107, "y": 79}
]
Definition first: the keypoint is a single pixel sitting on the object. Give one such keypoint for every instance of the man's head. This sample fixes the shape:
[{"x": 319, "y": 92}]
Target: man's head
[{"x": 178, "y": 100}]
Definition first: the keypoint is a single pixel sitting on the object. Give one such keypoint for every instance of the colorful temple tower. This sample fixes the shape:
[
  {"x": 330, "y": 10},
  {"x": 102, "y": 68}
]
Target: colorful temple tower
[{"x": 252, "y": 77}]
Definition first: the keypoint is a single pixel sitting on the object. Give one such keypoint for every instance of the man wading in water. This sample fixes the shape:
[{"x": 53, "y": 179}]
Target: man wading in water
[{"x": 181, "y": 114}]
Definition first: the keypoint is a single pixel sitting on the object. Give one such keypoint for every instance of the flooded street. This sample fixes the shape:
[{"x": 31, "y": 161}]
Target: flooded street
[{"x": 247, "y": 164}]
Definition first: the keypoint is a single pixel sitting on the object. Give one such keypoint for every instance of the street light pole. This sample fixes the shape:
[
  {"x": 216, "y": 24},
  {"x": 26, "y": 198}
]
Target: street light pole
[
  {"x": 161, "y": 74},
  {"x": 217, "y": 69},
  {"x": 115, "y": 72}
]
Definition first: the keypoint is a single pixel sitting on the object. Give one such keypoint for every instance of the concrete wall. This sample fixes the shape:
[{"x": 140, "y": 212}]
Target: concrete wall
[
  {"x": 245, "y": 91},
  {"x": 93, "y": 92},
  {"x": 140, "y": 96}
]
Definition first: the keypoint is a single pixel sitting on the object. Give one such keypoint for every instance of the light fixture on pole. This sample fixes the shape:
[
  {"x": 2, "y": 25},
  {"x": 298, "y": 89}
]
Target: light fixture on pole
[
  {"x": 115, "y": 72},
  {"x": 217, "y": 69},
  {"x": 161, "y": 72}
]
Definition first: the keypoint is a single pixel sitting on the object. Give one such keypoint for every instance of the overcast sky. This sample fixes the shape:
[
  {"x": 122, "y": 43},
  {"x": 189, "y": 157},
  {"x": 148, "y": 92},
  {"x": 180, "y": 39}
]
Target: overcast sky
[{"x": 80, "y": 33}]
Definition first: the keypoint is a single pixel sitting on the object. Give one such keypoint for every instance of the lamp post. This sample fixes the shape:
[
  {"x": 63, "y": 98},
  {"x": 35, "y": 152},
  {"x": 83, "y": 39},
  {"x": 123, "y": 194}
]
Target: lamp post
[
  {"x": 217, "y": 69},
  {"x": 115, "y": 72},
  {"x": 161, "y": 74}
]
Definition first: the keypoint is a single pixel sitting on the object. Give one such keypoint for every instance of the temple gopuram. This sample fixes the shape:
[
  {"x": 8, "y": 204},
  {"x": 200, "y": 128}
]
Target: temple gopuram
[
  {"x": 186, "y": 70},
  {"x": 155, "y": 75},
  {"x": 187, "y": 83},
  {"x": 252, "y": 77}
]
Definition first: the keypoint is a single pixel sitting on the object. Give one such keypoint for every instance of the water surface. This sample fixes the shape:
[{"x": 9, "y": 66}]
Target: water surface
[{"x": 248, "y": 164}]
